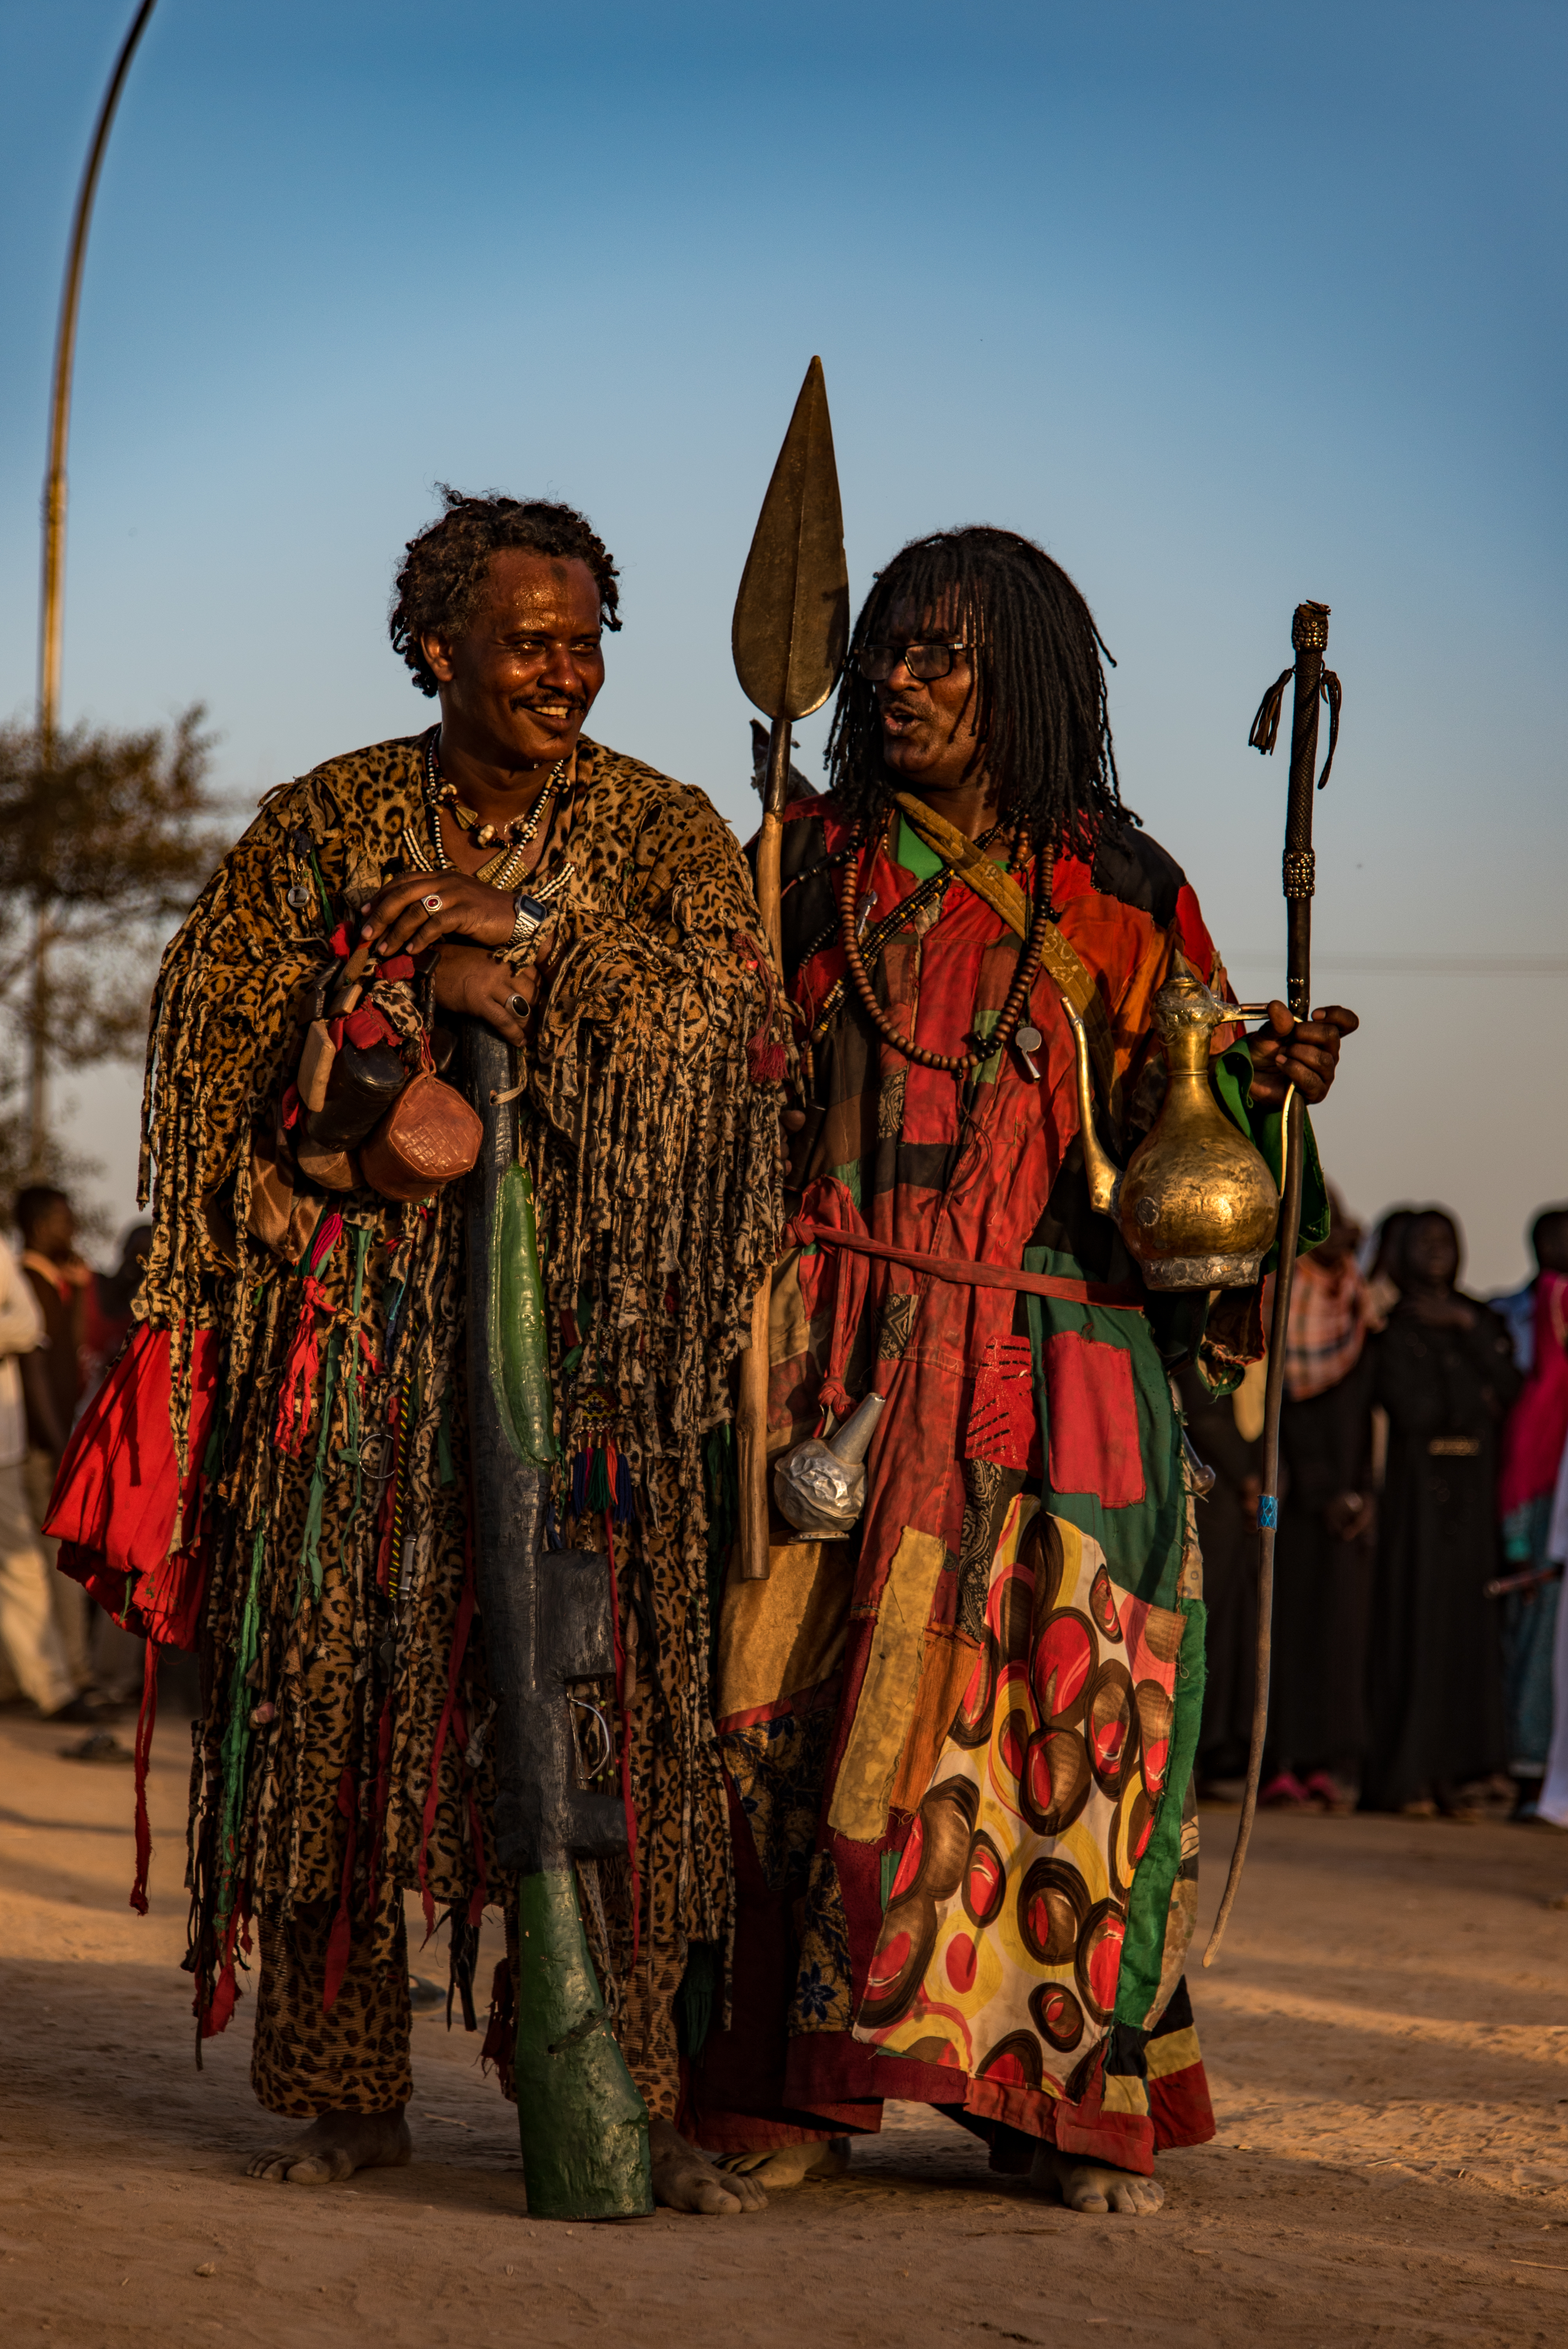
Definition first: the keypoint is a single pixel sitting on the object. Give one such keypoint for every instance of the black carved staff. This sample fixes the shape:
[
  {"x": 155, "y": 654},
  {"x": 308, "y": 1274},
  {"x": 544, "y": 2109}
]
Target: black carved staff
[{"x": 1314, "y": 685}]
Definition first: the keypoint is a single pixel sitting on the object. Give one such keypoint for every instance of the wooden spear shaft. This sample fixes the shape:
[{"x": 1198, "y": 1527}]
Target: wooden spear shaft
[{"x": 751, "y": 1404}]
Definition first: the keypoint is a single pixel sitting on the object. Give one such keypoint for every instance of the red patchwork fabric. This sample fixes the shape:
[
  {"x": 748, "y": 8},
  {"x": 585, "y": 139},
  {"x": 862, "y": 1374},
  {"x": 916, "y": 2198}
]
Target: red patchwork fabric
[
  {"x": 1094, "y": 1420},
  {"x": 1002, "y": 1426}
]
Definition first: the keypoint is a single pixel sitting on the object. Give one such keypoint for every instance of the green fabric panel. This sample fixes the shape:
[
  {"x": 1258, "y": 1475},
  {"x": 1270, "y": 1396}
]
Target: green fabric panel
[
  {"x": 1147, "y": 1909},
  {"x": 1231, "y": 1077},
  {"x": 1142, "y": 1543},
  {"x": 911, "y": 853}
]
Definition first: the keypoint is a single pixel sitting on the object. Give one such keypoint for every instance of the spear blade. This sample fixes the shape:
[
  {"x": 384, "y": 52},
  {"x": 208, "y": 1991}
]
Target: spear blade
[{"x": 791, "y": 618}]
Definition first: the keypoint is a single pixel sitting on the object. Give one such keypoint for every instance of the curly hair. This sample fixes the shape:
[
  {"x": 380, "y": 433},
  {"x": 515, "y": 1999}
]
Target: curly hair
[
  {"x": 442, "y": 577},
  {"x": 1042, "y": 726}
]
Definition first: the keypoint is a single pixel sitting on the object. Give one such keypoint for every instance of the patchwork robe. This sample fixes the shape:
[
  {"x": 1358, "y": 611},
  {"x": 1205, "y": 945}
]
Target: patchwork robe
[{"x": 960, "y": 1742}]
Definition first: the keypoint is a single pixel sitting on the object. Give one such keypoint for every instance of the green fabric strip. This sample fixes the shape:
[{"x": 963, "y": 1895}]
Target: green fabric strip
[
  {"x": 1154, "y": 1879},
  {"x": 1231, "y": 1077},
  {"x": 237, "y": 1735},
  {"x": 310, "y": 1549}
]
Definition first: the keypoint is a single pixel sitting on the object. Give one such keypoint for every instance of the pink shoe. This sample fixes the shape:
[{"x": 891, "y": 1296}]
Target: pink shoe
[
  {"x": 1285, "y": 1793},
  {"x": 1322, "y": 1789}
]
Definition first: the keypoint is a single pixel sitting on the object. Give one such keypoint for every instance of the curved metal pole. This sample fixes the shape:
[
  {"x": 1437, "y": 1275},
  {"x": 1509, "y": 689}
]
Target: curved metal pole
[
  {"x": 50, "y": 610},
  {"x": 60, "y": 402}
]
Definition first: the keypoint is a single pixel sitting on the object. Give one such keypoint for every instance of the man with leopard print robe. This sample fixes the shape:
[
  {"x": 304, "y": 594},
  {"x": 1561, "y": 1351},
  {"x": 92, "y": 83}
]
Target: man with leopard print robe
[{"x": 310, "y": 1336}]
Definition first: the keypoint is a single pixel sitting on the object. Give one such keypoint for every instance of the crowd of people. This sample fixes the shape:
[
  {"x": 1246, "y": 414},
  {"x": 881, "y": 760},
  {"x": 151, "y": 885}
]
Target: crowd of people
[{"x": 1423, "y": 1527}]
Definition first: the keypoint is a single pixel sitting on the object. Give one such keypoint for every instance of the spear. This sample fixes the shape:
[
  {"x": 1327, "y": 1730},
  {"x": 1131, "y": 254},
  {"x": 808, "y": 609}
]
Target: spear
[
  {"x": 789, "y": 636},
  {"x": 1309, "y": 638}
]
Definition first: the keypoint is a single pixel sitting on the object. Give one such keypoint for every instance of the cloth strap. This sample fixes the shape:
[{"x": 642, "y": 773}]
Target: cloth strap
[
  {"x": 1003, "y": 895},
  {"x": 1124, "y": 1297}
]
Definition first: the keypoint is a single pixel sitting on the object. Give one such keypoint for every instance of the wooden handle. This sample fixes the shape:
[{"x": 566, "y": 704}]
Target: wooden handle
[{"x": 752, "y": 1440}]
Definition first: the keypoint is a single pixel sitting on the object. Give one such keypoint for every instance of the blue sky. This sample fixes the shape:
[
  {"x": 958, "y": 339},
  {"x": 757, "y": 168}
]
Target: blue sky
[{"x": 1227, "y": 306}]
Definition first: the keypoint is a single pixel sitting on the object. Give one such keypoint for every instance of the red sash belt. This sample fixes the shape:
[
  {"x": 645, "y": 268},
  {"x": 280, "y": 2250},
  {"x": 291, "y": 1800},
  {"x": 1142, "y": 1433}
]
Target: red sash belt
[{"x": 1125, "y": 1297}]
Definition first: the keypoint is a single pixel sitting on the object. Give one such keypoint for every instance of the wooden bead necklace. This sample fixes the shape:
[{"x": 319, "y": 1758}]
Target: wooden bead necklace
[{"x": 1012, "y": 1012}]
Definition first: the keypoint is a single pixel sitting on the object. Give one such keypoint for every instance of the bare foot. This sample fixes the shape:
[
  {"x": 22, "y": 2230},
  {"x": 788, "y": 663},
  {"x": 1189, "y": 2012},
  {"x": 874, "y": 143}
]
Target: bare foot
[
  {"x": 335, "y": 2146},
  {"x": 1093, "y": 2186},
  {"x": 786, "y": 2165},
  {"x": 684, "y": 2179}
]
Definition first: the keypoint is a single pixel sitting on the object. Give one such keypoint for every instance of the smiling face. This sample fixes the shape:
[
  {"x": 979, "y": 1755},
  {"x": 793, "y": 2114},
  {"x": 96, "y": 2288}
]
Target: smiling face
[
  {"x": 927, "y": 727},
  {"x": 517, "y": 685}
]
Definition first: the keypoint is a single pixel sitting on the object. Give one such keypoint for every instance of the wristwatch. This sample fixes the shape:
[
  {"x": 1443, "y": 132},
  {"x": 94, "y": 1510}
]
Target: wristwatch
[{"x": 530, "y": 914}]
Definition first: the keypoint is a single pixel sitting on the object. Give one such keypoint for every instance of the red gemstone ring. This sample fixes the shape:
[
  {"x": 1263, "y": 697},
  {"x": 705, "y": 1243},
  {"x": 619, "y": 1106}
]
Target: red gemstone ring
[{"x": 431, "y": 904}]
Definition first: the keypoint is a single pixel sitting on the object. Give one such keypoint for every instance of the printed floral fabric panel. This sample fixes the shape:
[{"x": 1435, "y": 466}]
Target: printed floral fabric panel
[{"x": 1001, "y": 1947}]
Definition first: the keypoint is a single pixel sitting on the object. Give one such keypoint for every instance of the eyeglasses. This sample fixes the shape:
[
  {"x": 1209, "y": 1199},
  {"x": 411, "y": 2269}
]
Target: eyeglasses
[{"x": 876, "y": 663}]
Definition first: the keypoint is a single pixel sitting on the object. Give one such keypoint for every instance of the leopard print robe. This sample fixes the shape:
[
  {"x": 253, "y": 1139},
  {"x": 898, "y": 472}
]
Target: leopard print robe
[{"x": 341, "y": 1754}]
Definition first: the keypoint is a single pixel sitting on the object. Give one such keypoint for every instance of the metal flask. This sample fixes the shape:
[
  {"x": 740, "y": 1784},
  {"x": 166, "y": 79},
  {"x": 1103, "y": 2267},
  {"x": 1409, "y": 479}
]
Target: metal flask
[
  {"x": 821, "y": 1487},
  {"x": 1197, "y": 1206}
]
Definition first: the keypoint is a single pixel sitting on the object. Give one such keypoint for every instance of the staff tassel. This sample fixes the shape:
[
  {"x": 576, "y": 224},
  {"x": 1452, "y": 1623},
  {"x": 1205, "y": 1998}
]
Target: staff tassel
[
  {"x": 790, "y": 634},
  {"x": 1314, "y": 683}
]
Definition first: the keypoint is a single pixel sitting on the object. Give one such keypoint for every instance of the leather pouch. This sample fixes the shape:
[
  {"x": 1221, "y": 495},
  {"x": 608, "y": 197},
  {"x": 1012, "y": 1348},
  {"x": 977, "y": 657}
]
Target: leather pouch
[
  {"x": 363, "y": 1084},
  {"x": 427, "y": 1138}
]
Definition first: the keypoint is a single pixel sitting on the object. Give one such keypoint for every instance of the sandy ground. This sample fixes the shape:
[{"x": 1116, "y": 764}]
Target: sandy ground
[{"x": 1387, "y": 2041}]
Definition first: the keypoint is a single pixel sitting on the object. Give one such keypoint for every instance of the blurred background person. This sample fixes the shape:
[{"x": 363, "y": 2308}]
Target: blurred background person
[
  {"x": 111, "y": 1307},
  {"x": 1323, "y": 1578},
  {"x": 52, "y": 1383},
  {"x": 33, "y": 1659},
  {"x": 1532, "y": 1447},
  {"x": 1444, "y": 1372}
]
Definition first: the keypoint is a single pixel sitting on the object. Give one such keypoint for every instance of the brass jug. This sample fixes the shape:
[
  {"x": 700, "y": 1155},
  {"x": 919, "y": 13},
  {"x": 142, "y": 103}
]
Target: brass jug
[{"x": 1197, "y": 1206}]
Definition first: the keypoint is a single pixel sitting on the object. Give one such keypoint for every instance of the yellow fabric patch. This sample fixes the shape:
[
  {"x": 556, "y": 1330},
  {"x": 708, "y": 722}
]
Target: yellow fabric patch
[
  {"x": 888, "y": 1692},
  {"x": 777, "y": 1637},
  {"x": 1174, "y": 2052},
  {"x": 945, "y": 1674},
  {"x": 1125, "y": 2093}
]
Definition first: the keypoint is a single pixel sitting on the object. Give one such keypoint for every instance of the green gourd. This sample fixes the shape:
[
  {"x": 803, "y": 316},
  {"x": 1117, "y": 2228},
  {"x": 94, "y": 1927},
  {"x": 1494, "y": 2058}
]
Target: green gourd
[{"x": 518, "y": 1339}]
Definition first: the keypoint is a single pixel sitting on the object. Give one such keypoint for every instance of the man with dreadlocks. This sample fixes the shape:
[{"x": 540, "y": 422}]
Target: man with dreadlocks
[
  {"x": 960, "y": 1738},
  {"x": 306, "y": 1303}
]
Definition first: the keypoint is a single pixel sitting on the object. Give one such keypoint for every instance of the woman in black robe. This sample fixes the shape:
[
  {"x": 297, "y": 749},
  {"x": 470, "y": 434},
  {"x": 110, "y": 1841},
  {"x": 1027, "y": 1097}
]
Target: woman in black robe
[{"x": 1444, "y": 1373}]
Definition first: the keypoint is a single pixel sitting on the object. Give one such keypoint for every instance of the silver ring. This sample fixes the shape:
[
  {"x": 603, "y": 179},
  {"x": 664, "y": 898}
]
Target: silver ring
[
  {"x": 431, "y": 904},
  {"x": 519, "y": 1008}
]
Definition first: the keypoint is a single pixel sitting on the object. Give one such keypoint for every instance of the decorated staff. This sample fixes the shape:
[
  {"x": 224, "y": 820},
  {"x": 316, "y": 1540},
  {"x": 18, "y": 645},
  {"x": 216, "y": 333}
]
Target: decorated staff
[
  {"x": 1314, "y": 683},
  {"x": 548, "y": 1618},
  {"x": 789, "y": 636}
]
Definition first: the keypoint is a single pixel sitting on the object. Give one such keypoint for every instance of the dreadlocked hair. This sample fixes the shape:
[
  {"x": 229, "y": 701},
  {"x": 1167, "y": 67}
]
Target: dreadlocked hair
[
  {"x": 1042, "y": 726},
  {"x": 442, "y": 581}
]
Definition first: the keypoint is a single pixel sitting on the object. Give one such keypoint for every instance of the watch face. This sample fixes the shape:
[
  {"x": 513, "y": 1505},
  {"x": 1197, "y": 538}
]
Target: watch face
[{"x": 531, "y": 909}]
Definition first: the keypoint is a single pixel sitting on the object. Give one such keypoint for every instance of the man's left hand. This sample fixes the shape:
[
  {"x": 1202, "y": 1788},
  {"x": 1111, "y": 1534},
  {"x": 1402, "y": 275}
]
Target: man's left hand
[{"x": 1300, "y": 1052}]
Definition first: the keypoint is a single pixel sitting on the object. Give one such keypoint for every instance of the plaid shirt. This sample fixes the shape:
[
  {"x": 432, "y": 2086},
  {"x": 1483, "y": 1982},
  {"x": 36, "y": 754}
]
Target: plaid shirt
[{"x": 1327, "y": 1326}]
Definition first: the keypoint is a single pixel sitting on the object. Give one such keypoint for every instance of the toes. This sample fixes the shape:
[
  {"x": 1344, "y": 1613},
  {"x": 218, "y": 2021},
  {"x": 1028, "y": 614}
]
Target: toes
[
  {"x": 1087, "y": 2198},
  {"x": 713, "y": 2199},
  {"x": 749, "y": 2192},
  {"x": 272, "y": 2166},
  {"x": 325, "y": 2169}
]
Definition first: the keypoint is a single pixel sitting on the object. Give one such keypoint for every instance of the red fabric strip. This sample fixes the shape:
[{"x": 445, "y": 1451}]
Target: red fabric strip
[{"x": 971, "y": 1276}]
